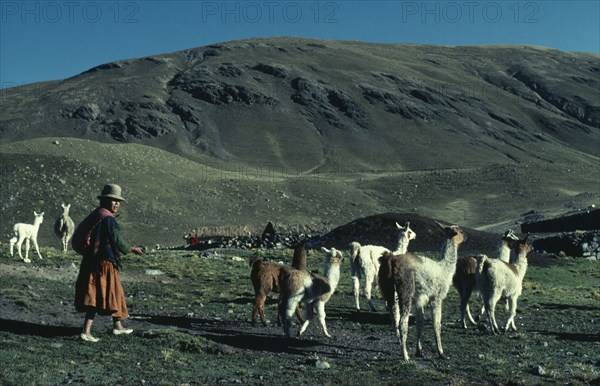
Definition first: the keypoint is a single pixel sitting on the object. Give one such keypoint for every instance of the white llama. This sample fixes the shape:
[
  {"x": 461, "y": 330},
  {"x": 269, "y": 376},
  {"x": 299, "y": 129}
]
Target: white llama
[
  {"x": 497, "y": 279},
  {"x": 410, "y": 279},
  {"x": 27, "y": 232},
  {"x": 364, "y": 262},
  {"x": 64, "y": 227},
  {"x": 313, "y": 290},
  {"x": 464, "y": 277}
]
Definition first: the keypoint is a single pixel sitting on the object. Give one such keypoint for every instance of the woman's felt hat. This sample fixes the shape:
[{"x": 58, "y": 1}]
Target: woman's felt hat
[{"x": 112, "y": 191}]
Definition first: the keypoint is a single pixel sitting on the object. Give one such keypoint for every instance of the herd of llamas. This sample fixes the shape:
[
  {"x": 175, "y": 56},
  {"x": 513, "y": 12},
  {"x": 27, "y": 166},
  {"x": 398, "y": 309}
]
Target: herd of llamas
[{"x": 405, "y": 280}]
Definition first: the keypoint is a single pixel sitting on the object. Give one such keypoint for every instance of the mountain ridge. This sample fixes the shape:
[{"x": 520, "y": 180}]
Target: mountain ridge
[{"x": 367, "y": 127}]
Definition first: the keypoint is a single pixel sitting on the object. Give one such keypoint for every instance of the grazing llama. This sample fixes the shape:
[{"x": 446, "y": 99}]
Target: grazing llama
[
  {"x": 410, "y": 279},
  {"x": 265, "y": 279},
  {"x": 364, "y": 262},
  {"x": 64, "y": 227},
  {"x": 27, "y": 232},
  {"x": 464, "y": 277},
  {"x": 497, "y": 279},
  {"x": 313, "y": 290}
]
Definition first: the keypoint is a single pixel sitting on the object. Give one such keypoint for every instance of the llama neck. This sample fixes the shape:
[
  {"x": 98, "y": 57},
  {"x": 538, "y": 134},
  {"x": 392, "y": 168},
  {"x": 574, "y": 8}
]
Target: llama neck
[
  {"x": 402, "y": 246},
  {"x": 504, "y": 251},
  {"x": 333, "y": 274},
  {"x": 36, "y": 224},
  {"x": 449, "y": 255},
  {"x": 521, "y": 265}
]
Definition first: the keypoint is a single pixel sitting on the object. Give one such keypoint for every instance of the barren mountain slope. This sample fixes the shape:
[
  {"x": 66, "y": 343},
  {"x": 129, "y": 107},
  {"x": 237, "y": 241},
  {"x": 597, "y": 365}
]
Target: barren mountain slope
[{"x": 299, "y": 130}]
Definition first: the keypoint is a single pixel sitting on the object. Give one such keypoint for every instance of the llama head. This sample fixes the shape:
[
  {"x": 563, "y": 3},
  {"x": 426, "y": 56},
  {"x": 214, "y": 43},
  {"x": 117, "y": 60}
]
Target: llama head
[
  {"x": 406, "y": 233},
  {"x": 66, "y": 209},
  {"x": 523, "y": 247},
  {"x": 453, "y": 232},
  {"x": 39, "y": 217},
  {"x": 334, "y": 257},
  {"x": 510, "y": 239}
]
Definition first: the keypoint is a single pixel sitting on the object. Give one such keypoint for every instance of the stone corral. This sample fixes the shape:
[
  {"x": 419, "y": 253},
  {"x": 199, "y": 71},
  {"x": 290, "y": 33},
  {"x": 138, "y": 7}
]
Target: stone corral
[
  {"x": 575, "y": 234},
  {"x": 578, "y": 244}
]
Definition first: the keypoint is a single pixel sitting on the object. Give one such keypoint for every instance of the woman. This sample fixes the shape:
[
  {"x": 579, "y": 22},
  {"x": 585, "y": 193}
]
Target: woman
[{"x": 98, "y": 289}]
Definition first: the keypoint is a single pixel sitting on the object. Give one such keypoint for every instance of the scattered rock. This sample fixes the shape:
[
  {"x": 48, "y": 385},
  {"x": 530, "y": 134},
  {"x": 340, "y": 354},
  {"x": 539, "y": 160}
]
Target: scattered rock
[
  {"x": 154, "y": 272},
  {"x": 322, "y": 364},
  {"x": 538, "y": 370}
]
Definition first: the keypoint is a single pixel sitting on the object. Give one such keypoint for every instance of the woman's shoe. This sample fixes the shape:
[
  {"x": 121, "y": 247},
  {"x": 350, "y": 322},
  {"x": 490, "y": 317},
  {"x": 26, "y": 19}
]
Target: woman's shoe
[
  {"x": 88, "y": 338},
  {"x": 123, "y": 331}
]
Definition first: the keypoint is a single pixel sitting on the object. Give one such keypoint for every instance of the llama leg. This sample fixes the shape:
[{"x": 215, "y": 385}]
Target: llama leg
[
  {"x": 37, "y": 248},
  {"x": 436, "y": 311},
  {"x": 19, "y": 245},
  {"x": 299, "y": 313},
  {"x": 513, "y": 313},
  {"x": 419, "y": 315},
  {"x": 481, "y": 310},
  {"x": 258, "y": 307},
  {"x": 464, "y": 306},
  {"x": 321, "y": 315},
  {"x": 290, "y": 306},
  {"x": 12, "y": 245},
  {"x": 27, "y": 247},
  {"x": 471, "y": 319},
  {"x": 356, "y": 291},
  {"x": 464, "y": 310},
  {"x": 404, "y": 331},
  {"x": 395, "y": 311},
  {"x": 368, "y": 288},
  {"x": 308, "y": 315},
  {"x": 491, "y": 310}
]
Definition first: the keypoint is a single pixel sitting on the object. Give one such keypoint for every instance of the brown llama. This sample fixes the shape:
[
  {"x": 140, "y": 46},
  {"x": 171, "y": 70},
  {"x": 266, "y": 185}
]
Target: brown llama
[
  {"x": 464, "y": 277},
  {"x": 311, "y": 289},
  {"x": 410, "y": 279},
  {"x": 265, "y": 279}
]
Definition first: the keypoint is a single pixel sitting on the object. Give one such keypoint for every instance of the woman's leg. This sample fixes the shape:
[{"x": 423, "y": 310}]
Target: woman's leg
[
  {"x": 89, "y": 320},
  {"x": 118, "y": 328}
]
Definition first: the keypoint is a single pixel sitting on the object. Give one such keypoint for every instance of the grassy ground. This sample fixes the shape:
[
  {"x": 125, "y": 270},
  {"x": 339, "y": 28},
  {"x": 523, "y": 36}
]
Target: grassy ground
[{"x": 192, "y": 327}]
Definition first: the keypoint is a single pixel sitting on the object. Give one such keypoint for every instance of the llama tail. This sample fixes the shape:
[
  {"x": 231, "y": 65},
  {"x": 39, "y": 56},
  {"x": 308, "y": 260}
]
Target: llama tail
[
  {"x": 385, "y": 277},
  {"x": 481, "y": 263},
  {"x": 320, "y": 285},
  {"x": 255, "y": 262},
  {"x": 354, "y": 256},
  {"x": 386, "y": 266}
]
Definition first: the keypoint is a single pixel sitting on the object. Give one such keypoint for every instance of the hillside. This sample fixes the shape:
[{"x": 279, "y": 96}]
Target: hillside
[{"x": 307, "y": 131}]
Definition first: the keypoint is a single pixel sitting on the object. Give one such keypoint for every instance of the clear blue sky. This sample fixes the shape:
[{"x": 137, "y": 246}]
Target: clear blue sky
[{"x": 47, "y": 40}]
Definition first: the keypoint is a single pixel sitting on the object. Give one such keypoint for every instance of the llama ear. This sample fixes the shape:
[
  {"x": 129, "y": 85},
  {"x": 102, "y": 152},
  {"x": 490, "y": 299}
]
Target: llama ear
[
  {"x": 407, "y": 225},
  {"x": 526, "y": 237},
  {"x": 398, "y": 226},
  {"x": 323, "y": 249},
  {"x": 441, "y": 225}
]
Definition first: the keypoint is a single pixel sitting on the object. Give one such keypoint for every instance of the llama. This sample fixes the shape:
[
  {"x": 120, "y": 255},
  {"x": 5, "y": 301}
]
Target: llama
[
  {"x": 265, "y": 279},
  {"x": 313, "y": 290},
  {"x": 464, "y": 277},
  {"x": 497, "y": 279},
  {"x": 27, "y": 232},
  {"x": 64, "y": 227},
  {"x": 364, "y": 261},
  {"x": 410, "y": 279}
]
